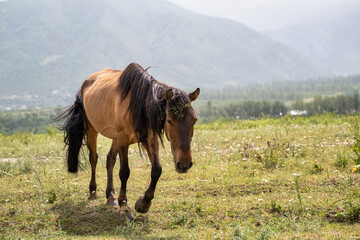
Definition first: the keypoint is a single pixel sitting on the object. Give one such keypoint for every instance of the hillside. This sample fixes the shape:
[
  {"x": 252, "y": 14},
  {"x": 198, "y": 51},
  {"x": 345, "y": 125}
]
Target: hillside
[
  {"x": 49, "y": 47},
  {"x": 331, "y": 40}
]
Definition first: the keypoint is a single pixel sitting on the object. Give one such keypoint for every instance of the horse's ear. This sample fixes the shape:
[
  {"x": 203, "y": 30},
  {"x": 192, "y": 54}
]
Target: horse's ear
[
  {"x": 169, "y": 94},
  {"x": 193, "y": 96}
]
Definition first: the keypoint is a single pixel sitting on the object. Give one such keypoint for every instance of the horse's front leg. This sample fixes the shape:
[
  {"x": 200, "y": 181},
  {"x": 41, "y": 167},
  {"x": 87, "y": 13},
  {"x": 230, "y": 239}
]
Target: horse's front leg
[
  {"x": 143, "y": 204},
  {"x": 124, "y": 173}
]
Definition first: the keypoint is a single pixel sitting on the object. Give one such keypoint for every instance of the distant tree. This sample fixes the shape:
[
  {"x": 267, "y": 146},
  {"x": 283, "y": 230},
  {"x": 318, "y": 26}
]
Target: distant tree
[
  {"x": 299, "y": 104},
  {"x": 356, "y": 100},
  {"x": 328, "y": 104},
  {"x": 340, "y": 104},
  {"x": 278, "y": 108},
  {"x": 317, "y": 102},
  {"x": 265, "y": 107}
]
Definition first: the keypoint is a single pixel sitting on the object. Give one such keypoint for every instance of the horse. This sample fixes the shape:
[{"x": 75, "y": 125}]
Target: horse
[{"x": 129, "y": 106}]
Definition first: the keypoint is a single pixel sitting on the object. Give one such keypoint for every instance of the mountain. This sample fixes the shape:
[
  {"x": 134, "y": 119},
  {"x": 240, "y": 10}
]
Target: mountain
[
  {"x": 49, "y": 47},
  {"x": 332, "y": 39}
]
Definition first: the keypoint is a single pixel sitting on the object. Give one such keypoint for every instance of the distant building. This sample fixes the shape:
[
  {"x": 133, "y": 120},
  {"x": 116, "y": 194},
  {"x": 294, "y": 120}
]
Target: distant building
[{"x": 297, "y": 112}]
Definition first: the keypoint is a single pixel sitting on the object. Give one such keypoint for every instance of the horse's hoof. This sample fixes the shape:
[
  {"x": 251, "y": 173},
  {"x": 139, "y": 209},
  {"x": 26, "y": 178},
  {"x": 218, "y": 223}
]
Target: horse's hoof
[
  {"x": 112, "y": 202},
  {"x": 130, "y": 216},
  {"x": 140, "y": 207},
  {"x": 125, "y": 214},
  {"x": 92, "y": 196}
]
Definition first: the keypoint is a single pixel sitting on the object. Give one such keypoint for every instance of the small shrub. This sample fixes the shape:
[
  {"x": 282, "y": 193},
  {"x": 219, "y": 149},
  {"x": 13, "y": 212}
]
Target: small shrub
[
  {"x": 5, "y": 168},
  {"x": 51, "y": 196},
  {"x": 180, "y": 219},
  {"x": 350, "y": 214},
  {"x": 273, "y": 156},
  {"x": 274, "y": 207},
  {"x": 341, "y": 161},
  {"x": 355, "y": 131},
  {"x": 26, "y": 167},
  {"x": 25, "y": 138},
  {"x": 316, "y": 169}
]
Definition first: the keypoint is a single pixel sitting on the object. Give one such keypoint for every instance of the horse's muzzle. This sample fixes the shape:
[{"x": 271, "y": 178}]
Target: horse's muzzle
[{"x": 182, "y": 169}]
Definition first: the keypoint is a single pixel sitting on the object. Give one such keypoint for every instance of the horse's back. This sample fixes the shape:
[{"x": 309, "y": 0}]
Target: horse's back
[{"x": 104, "y": 108}]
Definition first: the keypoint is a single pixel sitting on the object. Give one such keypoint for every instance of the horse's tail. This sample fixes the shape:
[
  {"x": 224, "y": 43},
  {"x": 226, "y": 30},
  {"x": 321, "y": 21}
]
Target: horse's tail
[{"x": 75, "y": 125}]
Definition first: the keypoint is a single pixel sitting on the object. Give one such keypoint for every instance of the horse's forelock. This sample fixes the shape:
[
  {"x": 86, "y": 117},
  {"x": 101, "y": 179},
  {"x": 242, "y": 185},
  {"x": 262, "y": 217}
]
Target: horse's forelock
[{"x": 178, "y": 104}]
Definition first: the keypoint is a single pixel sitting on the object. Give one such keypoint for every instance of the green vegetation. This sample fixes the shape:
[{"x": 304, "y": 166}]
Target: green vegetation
[
  {"x": 267, "y": 178},
  {"x": 33, "y": 121},
  {"x": 355, "y": 131},
  {"x": 38, "y": 121}
]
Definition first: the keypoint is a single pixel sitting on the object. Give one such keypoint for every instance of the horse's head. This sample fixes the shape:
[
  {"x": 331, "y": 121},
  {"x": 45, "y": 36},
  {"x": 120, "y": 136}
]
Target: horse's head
[{"x": 179, "y": 126}]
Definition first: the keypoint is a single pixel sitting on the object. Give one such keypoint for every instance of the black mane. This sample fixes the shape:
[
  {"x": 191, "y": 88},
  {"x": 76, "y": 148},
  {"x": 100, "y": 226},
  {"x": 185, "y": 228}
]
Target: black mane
[{"x": 147, "y": 102}]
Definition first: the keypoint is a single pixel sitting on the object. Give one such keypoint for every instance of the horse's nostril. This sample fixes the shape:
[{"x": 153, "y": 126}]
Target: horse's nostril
[
  {"x": 178, "y": 165},
  {"x": 190, "y": 165}
]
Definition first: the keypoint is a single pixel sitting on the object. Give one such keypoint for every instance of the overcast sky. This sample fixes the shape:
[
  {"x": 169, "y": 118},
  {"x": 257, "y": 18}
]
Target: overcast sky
[{"x": 265, "y": 15}]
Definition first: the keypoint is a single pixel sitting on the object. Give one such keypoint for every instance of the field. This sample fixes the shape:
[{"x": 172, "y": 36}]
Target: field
[{"x": 285, "y": 178}]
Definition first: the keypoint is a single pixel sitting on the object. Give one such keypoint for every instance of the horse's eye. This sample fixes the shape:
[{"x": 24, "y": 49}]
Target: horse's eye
[{"x": 169, "y": 122}]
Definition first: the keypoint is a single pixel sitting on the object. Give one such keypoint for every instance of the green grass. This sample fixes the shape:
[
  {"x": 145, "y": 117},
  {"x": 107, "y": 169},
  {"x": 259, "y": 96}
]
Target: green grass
[{"x": 286, "y": 178}]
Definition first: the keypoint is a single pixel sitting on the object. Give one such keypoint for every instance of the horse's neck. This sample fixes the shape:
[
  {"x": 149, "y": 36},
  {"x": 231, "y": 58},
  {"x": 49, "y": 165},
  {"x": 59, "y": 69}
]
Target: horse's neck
[{"x": 159, "y": 90}]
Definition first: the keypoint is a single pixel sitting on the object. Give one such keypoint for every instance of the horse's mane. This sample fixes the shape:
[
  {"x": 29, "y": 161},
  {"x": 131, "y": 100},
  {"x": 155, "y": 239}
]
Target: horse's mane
[{"x": 147, "y": 101}]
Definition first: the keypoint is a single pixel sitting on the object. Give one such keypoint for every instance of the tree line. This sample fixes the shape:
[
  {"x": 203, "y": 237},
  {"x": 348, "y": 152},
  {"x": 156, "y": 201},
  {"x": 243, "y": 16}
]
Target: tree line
[
  {"x": 37, "y": 121},
  {"x": 340, "y": 104}
]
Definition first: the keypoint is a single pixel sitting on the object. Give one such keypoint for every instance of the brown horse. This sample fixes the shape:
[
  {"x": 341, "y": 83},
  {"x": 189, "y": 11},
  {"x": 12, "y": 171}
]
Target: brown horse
[{"x": 129, "y": 106}]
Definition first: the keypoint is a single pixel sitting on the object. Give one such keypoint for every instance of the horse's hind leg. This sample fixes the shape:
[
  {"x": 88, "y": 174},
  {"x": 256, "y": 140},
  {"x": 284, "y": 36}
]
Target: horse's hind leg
[
  {"x": 91, "y": 144},
  {"x": 124, "y": 173},
  {"x": 110, "y": 162}
]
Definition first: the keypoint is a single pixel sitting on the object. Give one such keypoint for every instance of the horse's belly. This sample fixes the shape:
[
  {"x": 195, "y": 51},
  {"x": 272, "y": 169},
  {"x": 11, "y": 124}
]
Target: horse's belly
[{"x": 120, "y": 136}]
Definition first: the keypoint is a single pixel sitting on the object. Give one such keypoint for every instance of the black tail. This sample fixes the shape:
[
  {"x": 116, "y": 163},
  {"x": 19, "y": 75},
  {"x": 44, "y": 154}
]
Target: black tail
[{"x": 75, "y": 124}]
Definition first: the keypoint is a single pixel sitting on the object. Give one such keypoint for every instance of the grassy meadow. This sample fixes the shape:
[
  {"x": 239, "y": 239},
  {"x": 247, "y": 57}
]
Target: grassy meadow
[{"x": 285, "y": 178}]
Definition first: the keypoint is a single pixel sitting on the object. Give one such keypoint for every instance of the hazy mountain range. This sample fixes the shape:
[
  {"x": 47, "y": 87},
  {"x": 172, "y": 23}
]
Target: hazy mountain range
[
  {"x": 50, "y": 45},
  {"x": 332, "y": 39},
  {"x": 47, "y": 48}
]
